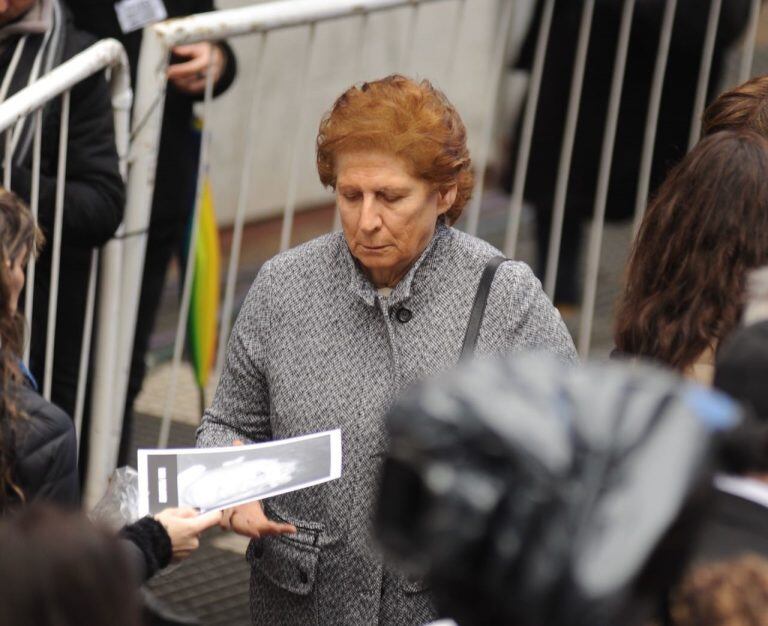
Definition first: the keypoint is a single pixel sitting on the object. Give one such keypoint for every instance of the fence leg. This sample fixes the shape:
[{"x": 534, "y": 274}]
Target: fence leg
[
  {"x": 122, "y": 261},
  {"x": 601, "y": 198}
]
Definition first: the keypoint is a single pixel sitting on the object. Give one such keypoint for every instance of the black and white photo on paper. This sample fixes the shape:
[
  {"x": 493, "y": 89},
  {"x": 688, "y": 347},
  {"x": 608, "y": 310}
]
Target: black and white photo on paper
[{"x": 215, "y": 478}]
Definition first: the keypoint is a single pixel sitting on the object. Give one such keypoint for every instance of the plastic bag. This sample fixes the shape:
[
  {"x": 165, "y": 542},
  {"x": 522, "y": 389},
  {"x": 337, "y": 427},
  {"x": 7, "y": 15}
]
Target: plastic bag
[{"x": 120, "y": 504}]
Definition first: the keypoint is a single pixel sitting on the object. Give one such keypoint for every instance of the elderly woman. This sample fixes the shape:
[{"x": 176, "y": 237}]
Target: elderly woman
[{"x": 334, "y": 329}]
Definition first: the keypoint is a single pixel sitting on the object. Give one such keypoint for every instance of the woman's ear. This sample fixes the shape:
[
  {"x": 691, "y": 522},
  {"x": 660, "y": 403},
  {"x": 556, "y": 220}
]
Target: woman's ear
[{"x": 446, "y": 196}]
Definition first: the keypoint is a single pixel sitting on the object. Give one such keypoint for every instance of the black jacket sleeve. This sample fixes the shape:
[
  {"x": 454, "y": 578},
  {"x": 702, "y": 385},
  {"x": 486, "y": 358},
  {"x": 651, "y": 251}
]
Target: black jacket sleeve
[
  {"x": 45, "y": 452},
  {"x": 94, "y": 191},
  {"x": 149, "y": 546}
]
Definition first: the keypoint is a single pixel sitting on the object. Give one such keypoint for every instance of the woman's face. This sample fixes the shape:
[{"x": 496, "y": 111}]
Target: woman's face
[
  {"x": 16, "y": 279},
  {"x": 387, "y": 214}
]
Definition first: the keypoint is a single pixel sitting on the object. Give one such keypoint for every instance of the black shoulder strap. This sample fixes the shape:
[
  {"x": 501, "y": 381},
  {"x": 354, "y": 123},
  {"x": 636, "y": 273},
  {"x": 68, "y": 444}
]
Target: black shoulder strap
[{"x": 478, "y": 307}]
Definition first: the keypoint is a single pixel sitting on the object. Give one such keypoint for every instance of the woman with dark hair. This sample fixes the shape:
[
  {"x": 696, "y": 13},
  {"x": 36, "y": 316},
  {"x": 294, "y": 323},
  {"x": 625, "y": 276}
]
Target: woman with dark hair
[
  {"x": 58, "y": 569},
  {"x": 742, "y": 108},
  {"x": 38, "y": 446},
  {"x": 685, "y": 279}
]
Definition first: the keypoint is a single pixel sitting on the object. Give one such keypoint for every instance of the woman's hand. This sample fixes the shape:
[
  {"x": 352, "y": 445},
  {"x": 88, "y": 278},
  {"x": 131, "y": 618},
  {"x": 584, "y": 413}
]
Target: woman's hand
[
  {"x": 189, "y": 76},
  {"x": 251, "y": 521},
  {"x": 184, "y": 527}
]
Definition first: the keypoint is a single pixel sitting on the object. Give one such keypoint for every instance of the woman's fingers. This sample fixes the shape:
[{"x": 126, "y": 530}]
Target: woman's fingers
[
  {"x": 208, "y": 520},
  {"x": 277, "y": 528}
]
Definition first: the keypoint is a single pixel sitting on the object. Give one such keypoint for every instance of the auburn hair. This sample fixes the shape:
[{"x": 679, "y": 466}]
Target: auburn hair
[
  {"x": 411, "y": 120},
  {"x": 706, "y": 227},
  {"x": 744, "y": 107},
  {"x": 19, "y": 236}
]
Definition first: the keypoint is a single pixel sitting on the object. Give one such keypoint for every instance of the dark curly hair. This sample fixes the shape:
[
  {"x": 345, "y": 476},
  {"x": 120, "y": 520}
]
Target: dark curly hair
[
  {"x": 19, "y": 236},
  {"x": 724, "y": 593},
  {"x": 409, "y": 119},
  {"x": 706, "y": 227}
]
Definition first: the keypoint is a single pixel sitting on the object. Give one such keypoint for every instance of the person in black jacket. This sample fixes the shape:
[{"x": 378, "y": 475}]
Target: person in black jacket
[
  {"x": 739, "y": 518},
  {"x": 38, "y": 448},
  {"x": 177, "y": 159},
  {"x": 674, "y": 115},
  {"x": 35, "y": 37}
]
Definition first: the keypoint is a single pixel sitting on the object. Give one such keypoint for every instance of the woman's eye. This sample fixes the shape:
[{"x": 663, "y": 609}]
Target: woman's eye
[
  {"x": 351, "y": 196},
  {"x": 391, "y": 199}
]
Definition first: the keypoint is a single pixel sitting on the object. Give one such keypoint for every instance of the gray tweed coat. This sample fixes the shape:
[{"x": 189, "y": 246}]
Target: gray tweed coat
[{"x": 315, "y": 348}]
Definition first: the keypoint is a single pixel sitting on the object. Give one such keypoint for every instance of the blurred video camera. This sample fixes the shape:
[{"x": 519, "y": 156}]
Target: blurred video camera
[{"x": 536, "y": 493}]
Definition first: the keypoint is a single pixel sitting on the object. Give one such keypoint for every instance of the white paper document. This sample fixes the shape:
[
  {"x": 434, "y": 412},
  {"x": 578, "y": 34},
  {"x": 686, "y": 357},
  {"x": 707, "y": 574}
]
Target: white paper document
[{"x": 216, "y": 478}]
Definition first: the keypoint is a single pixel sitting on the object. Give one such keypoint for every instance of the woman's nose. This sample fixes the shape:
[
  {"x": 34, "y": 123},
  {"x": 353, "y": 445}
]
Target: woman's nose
[{"x": 370, "y": 216}]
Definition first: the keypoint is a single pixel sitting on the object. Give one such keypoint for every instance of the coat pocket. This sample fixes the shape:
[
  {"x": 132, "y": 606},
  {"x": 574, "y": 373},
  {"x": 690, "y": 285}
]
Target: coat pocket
[{"x": 290, "y": 564}]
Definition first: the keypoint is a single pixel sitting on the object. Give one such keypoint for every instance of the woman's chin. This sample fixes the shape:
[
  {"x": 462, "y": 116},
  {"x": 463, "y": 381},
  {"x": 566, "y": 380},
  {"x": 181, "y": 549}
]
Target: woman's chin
[{"x": 377, "y": 257}]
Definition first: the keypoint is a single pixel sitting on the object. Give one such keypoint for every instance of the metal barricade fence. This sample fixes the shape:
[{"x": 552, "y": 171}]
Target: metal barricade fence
[
  {"x": 105, "y": 263},
  {"x": 263, "y": 19}
]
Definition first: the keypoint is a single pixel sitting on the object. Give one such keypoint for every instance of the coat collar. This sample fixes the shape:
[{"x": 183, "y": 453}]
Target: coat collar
[{"x": 362, "y": 287}]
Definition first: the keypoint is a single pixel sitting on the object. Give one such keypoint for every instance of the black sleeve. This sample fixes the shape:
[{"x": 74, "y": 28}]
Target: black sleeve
[
  {"x": 150, "y": 538},
  {"x": 230, "y": 69},
  {"x": 46, "y": 452},
  {"x": 94, "y": 194}
]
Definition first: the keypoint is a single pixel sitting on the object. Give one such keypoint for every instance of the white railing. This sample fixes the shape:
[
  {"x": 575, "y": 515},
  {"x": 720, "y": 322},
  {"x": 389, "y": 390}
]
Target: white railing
[
  {"x": 104, "y": 55},
  {"x": 263, "y": 19}
]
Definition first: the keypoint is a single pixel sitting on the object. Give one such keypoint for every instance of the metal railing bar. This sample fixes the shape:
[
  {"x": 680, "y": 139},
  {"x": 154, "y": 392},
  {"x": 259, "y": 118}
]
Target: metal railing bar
[
  {"x": 566, "y": 153},
  {"x": 293, "y": 176},
  {"x": 453, "y": 55},
  {"x": 53, "y": 296},
  {"x": 242, "y": 202},
  {"x": 85, "y": 349},
  {"x": 7, "y": 159},
  {"x": 409, "y": 48},
  {"x": 29, "y": 295},
  {"x": 705, "y": 69},
  {"x": 84, "y": 64},
  {"x": 491, "y": 92},
  {"x": 750, "y": 42},
  {"x": 604, "y": 175},
  {"x": 186, "y": 297},
  {"x": 357, "y": 72},
  {"x": 526, "y": 133},
  {"x": 267, "y": 17},
  {"x": 362, "y": 39},
  {"x": 652, "y": 118}
]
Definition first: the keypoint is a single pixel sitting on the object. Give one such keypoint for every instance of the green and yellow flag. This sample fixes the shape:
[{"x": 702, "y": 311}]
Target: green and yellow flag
[{"x": 204, "y": 306}]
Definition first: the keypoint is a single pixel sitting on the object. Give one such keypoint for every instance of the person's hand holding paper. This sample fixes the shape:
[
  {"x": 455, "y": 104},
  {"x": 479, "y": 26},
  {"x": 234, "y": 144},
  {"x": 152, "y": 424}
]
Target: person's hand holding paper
[{"x": 250, "y": 520}]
